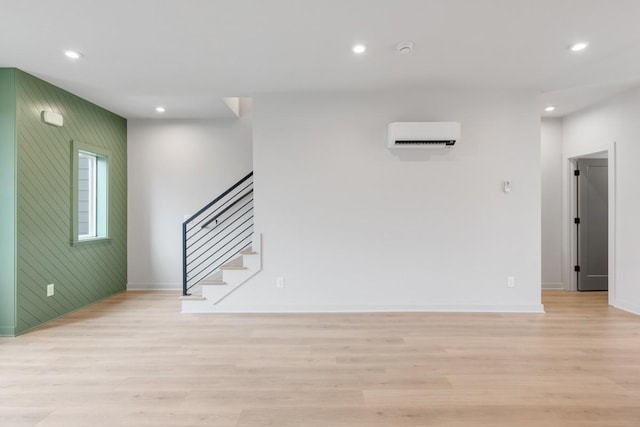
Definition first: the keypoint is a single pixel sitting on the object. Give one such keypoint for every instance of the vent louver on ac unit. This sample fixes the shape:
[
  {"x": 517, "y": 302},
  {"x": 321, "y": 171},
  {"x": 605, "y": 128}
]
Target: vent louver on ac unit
[
  {"x": 423, "y": 134},
  {"x": 438, "y": 142}
]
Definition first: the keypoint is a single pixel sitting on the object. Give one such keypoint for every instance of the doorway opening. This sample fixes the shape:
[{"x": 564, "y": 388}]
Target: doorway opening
[
  {"x": 590, "y": 219},
  {"x": 592, "y": 223}
]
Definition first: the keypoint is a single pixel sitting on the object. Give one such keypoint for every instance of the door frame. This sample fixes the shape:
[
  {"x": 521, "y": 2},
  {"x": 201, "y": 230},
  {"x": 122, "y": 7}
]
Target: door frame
[{"x": 570, "y": 258}]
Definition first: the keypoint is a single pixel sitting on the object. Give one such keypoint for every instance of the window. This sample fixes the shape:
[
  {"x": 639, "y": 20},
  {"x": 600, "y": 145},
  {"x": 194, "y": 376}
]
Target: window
[
  {"x": 90, "y": 193},
  {"x": 87, "y": 195}
]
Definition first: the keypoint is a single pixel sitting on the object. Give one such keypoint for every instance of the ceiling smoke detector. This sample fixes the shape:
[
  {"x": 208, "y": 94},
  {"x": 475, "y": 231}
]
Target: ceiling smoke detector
[{"x": 404, "y": 47}]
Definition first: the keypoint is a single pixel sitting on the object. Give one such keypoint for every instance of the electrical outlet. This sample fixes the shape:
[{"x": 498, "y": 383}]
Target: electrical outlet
[
  {"x": 511, "y": 282},
  {"x": 50, "y": 289},
  {"x": 280, "y": 282}
]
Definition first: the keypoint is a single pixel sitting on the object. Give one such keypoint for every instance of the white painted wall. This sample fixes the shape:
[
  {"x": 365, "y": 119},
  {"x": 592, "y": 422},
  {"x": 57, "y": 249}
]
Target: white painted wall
[
  {"x": 596, "y": 129},
  {"x": 353, "y": 226},
  {"x": 174, "y": 168},
  {"x": 551, "y": 156}
]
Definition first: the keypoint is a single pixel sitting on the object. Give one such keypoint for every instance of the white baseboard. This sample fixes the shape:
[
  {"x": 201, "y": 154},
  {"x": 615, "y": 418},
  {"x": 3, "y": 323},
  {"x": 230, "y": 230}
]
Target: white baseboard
[
  {"x": 631, "y": 308},
  {"x": 154, "y": 286},
  {"x": 534, "y": 308},
  {"x": 553, "y": 286}
]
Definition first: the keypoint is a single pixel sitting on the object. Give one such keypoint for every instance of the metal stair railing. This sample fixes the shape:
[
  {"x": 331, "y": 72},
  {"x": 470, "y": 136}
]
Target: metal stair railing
[{"x": 217, "y": 233}]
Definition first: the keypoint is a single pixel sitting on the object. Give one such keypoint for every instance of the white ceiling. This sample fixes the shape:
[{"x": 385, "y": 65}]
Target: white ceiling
[{"x": 189, "y": 54}]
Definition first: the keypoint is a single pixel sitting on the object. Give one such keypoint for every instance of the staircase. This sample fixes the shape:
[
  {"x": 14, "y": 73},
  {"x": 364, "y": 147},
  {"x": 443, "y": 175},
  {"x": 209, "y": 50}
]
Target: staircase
[
  {"x": 215, "y": 288},
  {"x": 220, "y": 250}
]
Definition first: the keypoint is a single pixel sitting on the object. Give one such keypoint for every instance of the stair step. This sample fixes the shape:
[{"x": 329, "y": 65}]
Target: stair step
[
  {"x": 213, "y": 282},
  {"x": 192, "y": 297},
  {"x": 234, "y": 267},
  {"x": 248, "y": 252}
]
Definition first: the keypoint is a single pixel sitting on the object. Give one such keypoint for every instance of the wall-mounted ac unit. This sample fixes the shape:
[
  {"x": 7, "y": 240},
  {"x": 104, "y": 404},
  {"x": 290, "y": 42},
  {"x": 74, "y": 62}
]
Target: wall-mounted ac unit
[{"x": 423, "y": 134}]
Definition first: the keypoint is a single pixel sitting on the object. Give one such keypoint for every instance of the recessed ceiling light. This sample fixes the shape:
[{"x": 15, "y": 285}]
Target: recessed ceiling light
[
  {"x": 577, "y": 47},
  {"x": 359, "y": 48},
  {"x": 550, "y": 108},
  {"x": 404, "y": 47},
  {"x": 160, "y": 110},
  {"x": 72, "y": 54}
]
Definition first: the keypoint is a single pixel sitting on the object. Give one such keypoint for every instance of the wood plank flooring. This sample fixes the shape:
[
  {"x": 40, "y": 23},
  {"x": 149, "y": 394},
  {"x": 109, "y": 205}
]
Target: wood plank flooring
[{"x": 134, "y": 360}]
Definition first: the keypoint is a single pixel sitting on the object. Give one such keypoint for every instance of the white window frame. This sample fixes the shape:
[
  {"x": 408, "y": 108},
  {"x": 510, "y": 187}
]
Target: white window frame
[
  {"x": 98, "y": 193},
  {"x": 92, "y": 190}
]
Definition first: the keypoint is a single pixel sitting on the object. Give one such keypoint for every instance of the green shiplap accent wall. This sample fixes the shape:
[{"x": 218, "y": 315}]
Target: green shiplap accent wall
[
  {"x": 82, "y": 274},
  {"x": 7, "y": 202}
]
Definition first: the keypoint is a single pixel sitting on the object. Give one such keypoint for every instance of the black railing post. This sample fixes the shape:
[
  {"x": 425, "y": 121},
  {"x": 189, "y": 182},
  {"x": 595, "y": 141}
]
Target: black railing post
[{"x": 184, "y": 259}]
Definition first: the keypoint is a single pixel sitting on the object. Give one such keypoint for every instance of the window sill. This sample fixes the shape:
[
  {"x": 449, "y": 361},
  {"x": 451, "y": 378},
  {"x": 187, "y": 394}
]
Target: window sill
[{"x": 91, "y": 241}]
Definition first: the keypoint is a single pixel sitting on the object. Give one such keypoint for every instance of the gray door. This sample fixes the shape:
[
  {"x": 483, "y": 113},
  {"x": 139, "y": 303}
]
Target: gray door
[{"x": 593, "y": 229}]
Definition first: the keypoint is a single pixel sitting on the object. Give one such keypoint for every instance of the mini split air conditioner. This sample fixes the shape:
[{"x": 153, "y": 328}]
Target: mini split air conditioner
[{"x": 423, "y": 134}]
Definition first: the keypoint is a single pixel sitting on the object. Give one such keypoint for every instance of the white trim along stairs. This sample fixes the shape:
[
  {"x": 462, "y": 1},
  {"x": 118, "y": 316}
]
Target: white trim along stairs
[{"x": 215, "y": 288}]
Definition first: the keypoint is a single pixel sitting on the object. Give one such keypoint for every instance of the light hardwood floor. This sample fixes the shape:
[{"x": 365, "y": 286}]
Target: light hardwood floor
[{"x": 134, "y": 360}]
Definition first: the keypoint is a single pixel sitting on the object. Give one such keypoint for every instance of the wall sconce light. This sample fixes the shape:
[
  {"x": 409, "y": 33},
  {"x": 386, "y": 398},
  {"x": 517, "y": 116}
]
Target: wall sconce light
[{"x": 52, "y": 118}]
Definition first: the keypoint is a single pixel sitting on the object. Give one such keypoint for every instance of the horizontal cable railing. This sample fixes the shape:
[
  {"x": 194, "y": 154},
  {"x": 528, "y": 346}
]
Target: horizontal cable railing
[{"x": 217, "y": 233}]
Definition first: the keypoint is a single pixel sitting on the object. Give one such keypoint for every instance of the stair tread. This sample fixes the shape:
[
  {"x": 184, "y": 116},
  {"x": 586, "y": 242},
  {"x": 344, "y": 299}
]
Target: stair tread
[
  {"x": 248, "y": 253},
  {"x": 234, "y": 267},
  {"x": 192, "y": 297},
  {"x": 213, "y": 282}
]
